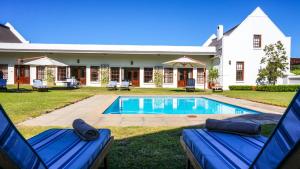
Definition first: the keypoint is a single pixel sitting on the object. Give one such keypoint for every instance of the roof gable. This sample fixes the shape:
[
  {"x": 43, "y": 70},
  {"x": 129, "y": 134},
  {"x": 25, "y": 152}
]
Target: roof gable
[
  {"x": 257, "y": 13},
  {"x": 7, "y": 36}
]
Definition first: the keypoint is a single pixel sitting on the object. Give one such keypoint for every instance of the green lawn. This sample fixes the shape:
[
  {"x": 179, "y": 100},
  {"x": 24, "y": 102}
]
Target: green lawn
[
  {"x": 28, "y": 104},
  {"x": 144, "y": 147},
  {"x": 275, "y": 98}
]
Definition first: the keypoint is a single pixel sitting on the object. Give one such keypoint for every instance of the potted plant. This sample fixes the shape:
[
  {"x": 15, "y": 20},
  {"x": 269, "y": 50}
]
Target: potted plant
[
  {"x": 158, "y": 77},
  {"x": 213, "y": 75},
  {"x": 50, "y": 77}
]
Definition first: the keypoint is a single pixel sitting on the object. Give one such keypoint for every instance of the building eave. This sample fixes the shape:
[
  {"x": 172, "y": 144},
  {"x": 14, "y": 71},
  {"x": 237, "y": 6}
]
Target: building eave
[{"x": 108, "y": 49}]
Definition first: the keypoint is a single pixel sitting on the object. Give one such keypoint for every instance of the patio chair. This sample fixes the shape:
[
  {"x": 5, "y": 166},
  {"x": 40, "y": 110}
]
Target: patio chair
[
  {"x": 54, "y": 148},
  {"x": 217, "y": 88},
  {"x": 72, "y": 83},
  {"x": 112, "y": 85},
  {"x": 209, "y": 150},
  {"x": 190, "y": 85},
  {"x": 3, "y": 84},
  {"x": 39, "y": 86},
  {"x": 124, "y": 85}
]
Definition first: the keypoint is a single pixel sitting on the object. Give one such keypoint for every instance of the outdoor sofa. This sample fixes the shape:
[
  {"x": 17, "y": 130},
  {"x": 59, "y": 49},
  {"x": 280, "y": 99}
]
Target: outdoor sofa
[
  {"x": 112, "y": 85},
  {"x": 124, "y": 85},
  {"x": 3, "y": 84},
  {"x": 39, "y": 86},
  {"x": 211, "y": 150},
  {"x": 54, "y": 148},
  {"x": 190, "y": 85}
]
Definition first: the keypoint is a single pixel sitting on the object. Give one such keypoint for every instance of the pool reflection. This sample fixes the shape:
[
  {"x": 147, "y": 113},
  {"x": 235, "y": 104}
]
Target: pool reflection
[{"x": 172, "y": 105}]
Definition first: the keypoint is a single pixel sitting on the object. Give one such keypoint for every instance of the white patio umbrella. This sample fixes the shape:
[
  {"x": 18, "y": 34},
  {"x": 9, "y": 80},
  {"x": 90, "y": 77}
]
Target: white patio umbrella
[
  {"x": 185, "y": 61},
  {"x": 45, "y": 61}
]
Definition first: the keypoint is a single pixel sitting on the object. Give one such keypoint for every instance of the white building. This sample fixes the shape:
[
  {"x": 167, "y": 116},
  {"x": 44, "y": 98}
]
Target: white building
[{"x": 235, "y": 53}]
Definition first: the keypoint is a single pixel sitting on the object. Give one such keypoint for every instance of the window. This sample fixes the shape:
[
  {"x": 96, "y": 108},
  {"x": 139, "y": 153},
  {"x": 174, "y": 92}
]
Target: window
[
  {"x": 40, "y": 72},
  {"x": 168, "y": 75},
  {"x": 148, "y": 75},
  {"x": 239, "y": 71},
  {"x": 200, "y": 75},
  {"x": 257, "y": 41},
  {"x": 94, "y": 73},
  {"x": 61, "y": 73},
  {"x": 115, "y": 74},
  {"x": 3, "y": 71}
]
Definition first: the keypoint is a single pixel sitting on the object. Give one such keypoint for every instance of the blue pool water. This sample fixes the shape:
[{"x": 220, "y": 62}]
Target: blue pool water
[{"x": 172, "y": 105}]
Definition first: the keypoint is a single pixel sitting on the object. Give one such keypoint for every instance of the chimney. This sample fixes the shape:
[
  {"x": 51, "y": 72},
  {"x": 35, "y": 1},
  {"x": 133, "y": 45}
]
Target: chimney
[{"x": 220, "y": 32}]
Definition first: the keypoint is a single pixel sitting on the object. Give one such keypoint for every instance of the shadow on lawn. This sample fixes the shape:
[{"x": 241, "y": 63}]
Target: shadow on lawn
[
  {"x": 157, "y": 150},
  {"x": 154, "y": 148},
  {"x": 183, "y": 90},
  {"x": 15, "y": 90}
]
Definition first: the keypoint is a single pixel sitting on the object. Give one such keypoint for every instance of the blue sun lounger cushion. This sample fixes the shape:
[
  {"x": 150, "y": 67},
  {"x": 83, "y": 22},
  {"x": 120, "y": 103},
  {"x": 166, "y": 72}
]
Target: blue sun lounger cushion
[
  {"x": 214, "y": 150},
  {"x": 54, "y": 148}
]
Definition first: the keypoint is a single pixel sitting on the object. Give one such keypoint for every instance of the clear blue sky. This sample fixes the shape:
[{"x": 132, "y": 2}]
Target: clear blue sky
[{"x": 141, "y": 22}]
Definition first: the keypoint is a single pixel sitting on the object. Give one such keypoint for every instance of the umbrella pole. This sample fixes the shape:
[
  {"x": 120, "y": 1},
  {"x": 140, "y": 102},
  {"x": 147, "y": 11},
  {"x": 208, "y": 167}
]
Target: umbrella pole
[
  {"x": 204, "y": 78},
  {"x": 18, "y": 76}
]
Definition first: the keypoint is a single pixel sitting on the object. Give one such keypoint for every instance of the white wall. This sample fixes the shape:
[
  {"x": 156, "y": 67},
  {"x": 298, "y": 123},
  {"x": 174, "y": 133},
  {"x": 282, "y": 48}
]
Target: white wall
[
  {"x": 32, "y": 74},
  {"x": 238, "y": 46}
]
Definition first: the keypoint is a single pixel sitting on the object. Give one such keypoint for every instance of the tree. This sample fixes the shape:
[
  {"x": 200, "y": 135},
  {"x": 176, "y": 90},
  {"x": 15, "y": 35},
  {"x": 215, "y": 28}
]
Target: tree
[
  {"x": 213, "y": 75},
  {"x": 275, "y": 62}
]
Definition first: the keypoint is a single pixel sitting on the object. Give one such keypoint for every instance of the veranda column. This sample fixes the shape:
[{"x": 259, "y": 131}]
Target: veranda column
[
  {"x": 32, "y": 72},
  {"x": 175, "y": 71},
  {"x": 11, "y": 74},
  {"x": 88, "y": 75},
  {"x": 141, "y": 76}
]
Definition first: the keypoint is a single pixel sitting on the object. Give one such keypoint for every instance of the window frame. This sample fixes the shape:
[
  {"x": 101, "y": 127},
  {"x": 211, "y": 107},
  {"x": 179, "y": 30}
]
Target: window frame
[
  {"x": 237, "y": 70},
  {"x": 148, "y": 75},
  {"x": 4, "y": 69},
  {"x": 257, "y": 39},
  {"x": 92, "y": 70},
  {"x": 38, "y": 71},
  {"x": 169, "y": 76},
  {"x": 201, "y": 76},
  {"x": 59, "y": 78},
  {"x": 113, "y": 76}
]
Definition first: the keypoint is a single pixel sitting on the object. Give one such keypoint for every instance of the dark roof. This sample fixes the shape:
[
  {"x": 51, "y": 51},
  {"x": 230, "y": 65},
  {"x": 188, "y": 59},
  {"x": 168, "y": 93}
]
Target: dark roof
[
  {"x": 7, "y": 36},
  {"x": 214, "y": 41},
  {"x": 231, "y": 30}
]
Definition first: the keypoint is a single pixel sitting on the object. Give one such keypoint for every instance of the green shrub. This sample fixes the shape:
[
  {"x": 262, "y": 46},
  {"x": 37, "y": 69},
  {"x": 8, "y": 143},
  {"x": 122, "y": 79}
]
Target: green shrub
[
  {"x": 278, "y": 88},
  {"x": 241, "y": 87},
  {"x": 296, "y": 71}
]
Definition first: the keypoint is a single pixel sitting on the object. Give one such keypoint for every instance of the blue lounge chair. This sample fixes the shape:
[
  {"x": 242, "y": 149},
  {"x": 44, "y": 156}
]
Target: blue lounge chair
[
  {"x": 190, "y": 85},
  {"x": 112, "y": 85},
  {"x": 210, "y": 150},
  {"x": 124, "y": 85},
  {"x": 39, "y": 86},
  {"x": 3, "y": 84},
  {"x": 54, "y": 148}
]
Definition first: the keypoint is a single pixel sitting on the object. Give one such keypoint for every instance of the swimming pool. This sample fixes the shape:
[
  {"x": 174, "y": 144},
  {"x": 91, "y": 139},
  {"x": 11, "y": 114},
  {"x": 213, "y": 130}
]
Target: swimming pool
[{"x": 172, "y": 105}]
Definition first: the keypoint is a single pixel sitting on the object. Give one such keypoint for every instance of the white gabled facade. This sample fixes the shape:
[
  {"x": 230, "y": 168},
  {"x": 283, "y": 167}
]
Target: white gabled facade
[
  {"x": 222, "y": 51},
  {"x": 236, "y": 45}
]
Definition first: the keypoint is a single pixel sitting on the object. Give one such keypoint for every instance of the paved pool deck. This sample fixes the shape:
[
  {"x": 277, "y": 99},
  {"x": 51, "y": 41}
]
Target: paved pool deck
[{"x": 91, "y": 110}]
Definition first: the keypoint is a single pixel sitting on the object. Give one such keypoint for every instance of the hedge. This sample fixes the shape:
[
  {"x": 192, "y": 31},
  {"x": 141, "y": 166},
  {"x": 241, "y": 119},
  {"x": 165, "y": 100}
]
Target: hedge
[
  {"x": 278, "y": 88},
  {"x": 241, "y": 87},
  {"x": 267, "y": 88}
]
